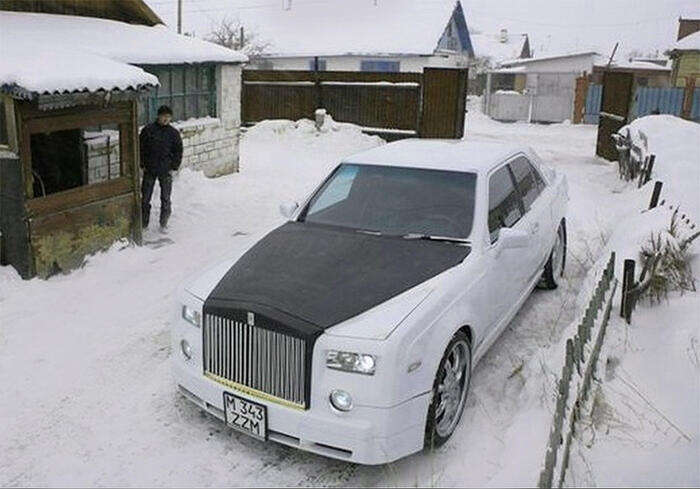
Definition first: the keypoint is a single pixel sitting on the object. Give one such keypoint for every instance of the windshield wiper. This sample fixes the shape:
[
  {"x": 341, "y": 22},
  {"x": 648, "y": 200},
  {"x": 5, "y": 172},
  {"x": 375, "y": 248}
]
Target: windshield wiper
[
  {"x": 428, "y": 237},
  {"x": 369, "y": 231}
]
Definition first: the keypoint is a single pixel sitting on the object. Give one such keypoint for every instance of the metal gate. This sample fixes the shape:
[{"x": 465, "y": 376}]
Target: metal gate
[{"x": 617, "y": 94}]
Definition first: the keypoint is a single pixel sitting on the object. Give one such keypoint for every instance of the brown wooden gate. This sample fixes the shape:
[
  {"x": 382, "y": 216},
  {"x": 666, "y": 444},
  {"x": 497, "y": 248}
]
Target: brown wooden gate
[
  {"x": 395, "y": 105},
  {"x": 444, "y": 103},
  {"x": 617, "y": 95}
]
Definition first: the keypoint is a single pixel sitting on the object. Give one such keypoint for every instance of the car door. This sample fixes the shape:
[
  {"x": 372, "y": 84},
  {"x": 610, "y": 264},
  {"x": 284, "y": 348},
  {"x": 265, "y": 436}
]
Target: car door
[
  {"x": 537, "y": 217},
  {"x": 504, "y": 281}
]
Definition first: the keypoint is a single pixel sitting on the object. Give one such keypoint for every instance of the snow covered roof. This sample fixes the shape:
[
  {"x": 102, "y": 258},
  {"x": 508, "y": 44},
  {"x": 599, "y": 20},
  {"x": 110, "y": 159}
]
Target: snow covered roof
[
  {"x": 688, "y": 43},
  {"x": 525, "y": 61},
  {"x": 633, "y": 65},
  {"x": 48, "y": 53},
  {"x": 351, "y": 27},
  {"x": 491, "y": 46}
]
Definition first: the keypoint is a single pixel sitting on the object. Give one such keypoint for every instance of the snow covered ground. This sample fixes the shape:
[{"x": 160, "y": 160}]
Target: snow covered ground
[{"x": 88, "y": 398}]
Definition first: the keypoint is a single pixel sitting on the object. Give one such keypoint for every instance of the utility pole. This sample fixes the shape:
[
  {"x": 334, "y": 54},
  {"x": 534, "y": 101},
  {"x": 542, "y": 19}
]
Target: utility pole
[{"x": 179, "y": 16}]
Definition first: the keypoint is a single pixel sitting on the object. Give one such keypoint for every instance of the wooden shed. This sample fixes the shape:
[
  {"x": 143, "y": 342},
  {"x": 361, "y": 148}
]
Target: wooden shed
[
  {"x": 75, "y": 77},
  {"x": 51, "y": 97}
]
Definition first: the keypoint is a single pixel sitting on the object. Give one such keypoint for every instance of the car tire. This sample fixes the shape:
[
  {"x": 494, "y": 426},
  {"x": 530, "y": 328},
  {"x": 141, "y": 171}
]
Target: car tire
[
  {"x": 447, "y": 405},
  {"x": 554, "y": 268}
]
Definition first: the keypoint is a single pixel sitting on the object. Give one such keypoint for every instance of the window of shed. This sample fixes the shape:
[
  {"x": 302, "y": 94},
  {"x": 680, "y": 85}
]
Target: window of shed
[
  {"x": 189, "y": 90},
  {"x": 66, "y": 159}
]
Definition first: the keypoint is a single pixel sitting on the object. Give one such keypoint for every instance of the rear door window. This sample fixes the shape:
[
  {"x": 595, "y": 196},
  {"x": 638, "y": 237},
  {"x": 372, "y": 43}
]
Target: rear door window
[
  {"x": 505, "y": 207},
  {"x": 528, "y": 180}
]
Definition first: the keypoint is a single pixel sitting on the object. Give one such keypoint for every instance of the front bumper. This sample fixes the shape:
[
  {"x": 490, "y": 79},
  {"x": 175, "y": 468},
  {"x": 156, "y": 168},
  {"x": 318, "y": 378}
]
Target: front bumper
[{"x": 365, "y": 435}]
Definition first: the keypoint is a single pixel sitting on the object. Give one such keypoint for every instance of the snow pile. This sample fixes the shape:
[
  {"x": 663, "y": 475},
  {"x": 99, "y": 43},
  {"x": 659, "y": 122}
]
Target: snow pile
[
  {"x": 55, "y": 53},
  {"x": 674, "y": 141}
]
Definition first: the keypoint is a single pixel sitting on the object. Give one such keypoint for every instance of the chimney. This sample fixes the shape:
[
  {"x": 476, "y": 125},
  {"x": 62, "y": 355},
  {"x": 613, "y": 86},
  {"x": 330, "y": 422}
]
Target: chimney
[
  {"x": 287, "y": 4},
  {"x": 504, "y": 35}
]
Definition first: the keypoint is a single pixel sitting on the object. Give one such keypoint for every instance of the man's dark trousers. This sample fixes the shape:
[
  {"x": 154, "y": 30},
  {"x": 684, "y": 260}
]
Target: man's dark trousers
[{"x": 165, "y": 180}]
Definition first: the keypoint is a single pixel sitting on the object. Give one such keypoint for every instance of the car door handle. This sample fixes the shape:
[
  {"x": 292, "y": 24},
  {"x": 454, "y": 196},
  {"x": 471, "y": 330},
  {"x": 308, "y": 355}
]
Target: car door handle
[{"x": 535, "y": 228}]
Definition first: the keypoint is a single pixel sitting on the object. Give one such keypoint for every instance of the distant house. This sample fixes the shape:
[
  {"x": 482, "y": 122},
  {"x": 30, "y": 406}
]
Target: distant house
[
  {"x": 685, "y": 53},
  {"x": 73, "y": 91},
  {"x": 353, "y": 35},
  {"x": 501, "y": 47}
]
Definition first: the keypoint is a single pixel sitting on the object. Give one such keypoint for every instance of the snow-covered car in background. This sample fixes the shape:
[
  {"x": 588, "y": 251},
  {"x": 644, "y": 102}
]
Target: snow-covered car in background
[{"x": 352, "y": 329}]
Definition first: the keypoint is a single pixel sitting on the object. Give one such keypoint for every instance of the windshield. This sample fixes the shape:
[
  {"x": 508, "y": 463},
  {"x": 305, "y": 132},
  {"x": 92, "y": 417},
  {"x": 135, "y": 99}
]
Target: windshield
[{"x": 396, "y": 201}]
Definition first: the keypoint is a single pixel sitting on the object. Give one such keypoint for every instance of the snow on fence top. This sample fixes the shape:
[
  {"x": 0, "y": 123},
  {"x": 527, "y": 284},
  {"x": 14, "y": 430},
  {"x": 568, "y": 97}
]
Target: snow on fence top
[{"x": 48, "y": 53}]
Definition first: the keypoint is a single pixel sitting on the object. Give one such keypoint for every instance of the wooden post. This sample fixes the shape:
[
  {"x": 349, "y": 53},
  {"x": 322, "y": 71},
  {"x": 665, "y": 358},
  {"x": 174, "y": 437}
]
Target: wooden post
[
  {"x": 649, "y": 168},
  {"x": 688, "y": 97},
  {"x": 580, "y": 94},
  {"x": 627, "y": 285},
  {"x": 179, "y": 17},
  {"x": 655, "y": 194}
]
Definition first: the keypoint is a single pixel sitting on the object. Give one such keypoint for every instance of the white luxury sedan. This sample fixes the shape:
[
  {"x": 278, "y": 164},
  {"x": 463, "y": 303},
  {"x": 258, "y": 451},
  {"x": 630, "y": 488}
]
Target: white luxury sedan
[{"x": 352, "y": 329}]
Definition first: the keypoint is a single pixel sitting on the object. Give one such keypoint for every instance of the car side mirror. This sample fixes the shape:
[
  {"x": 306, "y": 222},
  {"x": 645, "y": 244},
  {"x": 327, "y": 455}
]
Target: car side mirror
[
  {"x": 513, "y": 238},
  {"x": 287, "y": 209}
]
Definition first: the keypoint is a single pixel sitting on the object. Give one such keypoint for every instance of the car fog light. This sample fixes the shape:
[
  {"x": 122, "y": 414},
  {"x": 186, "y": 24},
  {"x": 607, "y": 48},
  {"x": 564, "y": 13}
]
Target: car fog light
[
  {"x": 341, "y": 400},
  {"x": 186, "y": 349}
]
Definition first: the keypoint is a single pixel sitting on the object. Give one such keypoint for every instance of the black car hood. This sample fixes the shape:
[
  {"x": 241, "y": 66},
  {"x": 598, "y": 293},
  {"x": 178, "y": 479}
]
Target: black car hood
[{"x": 310, "y": 277}]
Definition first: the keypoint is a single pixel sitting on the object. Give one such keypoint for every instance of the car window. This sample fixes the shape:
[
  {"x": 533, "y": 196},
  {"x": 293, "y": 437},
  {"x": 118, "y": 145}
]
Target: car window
[
  {"x": 343, "y": 179},
  {"x": 504, "y": 202},
  {"x": 528, "y": 180},
  {"x": 395, "y": 200}
]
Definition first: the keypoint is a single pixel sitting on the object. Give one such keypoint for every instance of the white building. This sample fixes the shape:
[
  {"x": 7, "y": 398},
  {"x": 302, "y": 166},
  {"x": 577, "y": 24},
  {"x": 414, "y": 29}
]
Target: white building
[{"x": 361, "y": 35}]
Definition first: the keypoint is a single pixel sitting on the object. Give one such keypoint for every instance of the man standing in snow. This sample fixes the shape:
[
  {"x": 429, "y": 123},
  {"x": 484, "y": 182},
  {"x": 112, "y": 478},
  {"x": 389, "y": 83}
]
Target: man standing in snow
[{"x": 161, "y": 154}]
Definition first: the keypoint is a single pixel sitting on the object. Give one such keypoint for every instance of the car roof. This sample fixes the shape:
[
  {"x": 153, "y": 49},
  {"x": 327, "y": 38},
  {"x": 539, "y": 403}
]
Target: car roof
[{"x": 439, "y": 154}]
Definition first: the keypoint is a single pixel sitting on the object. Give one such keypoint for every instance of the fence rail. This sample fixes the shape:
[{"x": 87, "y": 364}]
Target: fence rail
[{"x": 582, "y": 353}]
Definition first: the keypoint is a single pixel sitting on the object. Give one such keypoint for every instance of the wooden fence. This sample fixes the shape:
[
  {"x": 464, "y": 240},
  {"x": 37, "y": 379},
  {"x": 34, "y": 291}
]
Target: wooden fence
[
  {"x": 395, "y": 105},
  {"x": 582, "y": 353}
]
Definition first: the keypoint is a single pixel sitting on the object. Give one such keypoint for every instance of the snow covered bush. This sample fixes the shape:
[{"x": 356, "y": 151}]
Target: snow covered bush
[{"x": 666, "y": 261}]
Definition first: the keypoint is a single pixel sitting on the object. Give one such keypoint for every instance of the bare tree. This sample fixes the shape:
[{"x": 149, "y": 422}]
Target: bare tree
[{"x": 231, "y": 33}]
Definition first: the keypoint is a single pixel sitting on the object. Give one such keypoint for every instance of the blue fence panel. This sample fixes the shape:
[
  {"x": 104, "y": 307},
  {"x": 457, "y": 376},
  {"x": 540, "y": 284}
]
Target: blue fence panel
[
  {"x": 657, "y": 101},
  {"x": 594, "y": 98},
  {"x": 695, "y": 110}
]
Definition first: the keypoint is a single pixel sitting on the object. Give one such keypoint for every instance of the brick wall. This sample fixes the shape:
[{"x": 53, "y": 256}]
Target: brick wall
[{"x": 209, "y": 144}]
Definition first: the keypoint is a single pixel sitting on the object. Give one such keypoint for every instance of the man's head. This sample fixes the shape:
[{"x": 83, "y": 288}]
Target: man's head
[{"x": 165, "y": 115}]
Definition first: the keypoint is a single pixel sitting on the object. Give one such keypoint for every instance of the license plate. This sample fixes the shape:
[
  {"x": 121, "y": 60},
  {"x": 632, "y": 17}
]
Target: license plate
[{"x": 246, "y": 416}]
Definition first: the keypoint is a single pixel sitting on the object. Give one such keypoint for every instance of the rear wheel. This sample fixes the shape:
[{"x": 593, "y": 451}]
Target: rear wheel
[
  {"x": 449, "y": 391},
  {"x": 554, "y": 268}
]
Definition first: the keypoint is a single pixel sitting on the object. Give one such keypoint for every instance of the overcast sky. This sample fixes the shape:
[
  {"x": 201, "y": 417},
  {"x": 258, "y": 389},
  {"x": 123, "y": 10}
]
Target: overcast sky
[{"x": 554, "y": 26}]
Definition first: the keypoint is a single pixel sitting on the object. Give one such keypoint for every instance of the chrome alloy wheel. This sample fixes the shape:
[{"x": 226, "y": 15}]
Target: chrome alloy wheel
[{"x": 452, "y": 389}]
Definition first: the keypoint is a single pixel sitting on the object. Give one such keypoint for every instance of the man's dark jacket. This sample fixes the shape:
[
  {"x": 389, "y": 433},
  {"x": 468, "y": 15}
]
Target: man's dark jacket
[{"x": 161, "y": 148}]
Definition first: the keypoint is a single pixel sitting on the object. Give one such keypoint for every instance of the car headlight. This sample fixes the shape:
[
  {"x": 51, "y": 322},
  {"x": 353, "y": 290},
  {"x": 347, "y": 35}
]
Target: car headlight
[
  {"x": 361, "y": 363},
  {"x": 192, "y": 316}
]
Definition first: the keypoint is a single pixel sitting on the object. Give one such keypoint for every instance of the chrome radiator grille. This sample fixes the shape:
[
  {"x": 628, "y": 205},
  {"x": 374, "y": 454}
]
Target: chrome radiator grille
[{"x": 255, "y": 360}]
